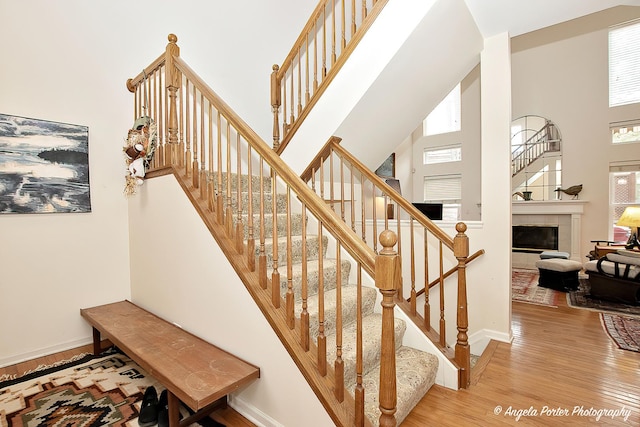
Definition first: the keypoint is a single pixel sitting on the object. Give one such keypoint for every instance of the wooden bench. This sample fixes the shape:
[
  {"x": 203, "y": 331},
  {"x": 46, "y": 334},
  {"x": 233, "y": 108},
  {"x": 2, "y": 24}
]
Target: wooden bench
[{"x": 193, "y": 371}]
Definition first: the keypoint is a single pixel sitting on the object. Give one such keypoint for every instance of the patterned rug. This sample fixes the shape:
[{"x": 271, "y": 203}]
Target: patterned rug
[
  {"x": 624, "y": 331},
  {"x": 524, "y": 288},
  {"x": 102, "y": 391},
  {"x": 581, "y": 299}
]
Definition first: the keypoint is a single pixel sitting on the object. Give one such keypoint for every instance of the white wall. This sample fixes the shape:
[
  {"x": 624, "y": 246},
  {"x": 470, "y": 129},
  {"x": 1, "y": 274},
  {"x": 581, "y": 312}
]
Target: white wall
[
  {"x": 561, "y": 73},
  {"x": 68, "y": 61},
  {"x": 199, "y": 290}
]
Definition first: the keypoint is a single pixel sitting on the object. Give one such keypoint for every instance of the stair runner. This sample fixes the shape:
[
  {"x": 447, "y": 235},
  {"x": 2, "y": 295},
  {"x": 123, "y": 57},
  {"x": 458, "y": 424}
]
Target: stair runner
[{"x": 416, "y": 369}]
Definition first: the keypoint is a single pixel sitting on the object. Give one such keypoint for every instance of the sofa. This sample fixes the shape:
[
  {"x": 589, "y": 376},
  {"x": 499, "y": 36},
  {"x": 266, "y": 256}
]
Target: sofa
[{"x": 615, "y": 277}]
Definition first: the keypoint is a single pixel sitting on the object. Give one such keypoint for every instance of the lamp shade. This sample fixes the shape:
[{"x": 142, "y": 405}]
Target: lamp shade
[{"x": 630, "y": 217}]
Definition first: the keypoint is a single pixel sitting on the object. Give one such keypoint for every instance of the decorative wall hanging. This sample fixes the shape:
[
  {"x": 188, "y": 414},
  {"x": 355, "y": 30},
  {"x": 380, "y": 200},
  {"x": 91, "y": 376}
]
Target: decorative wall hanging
[
  {"x": 44, "y": 166},
  {"x": 138, "y": 152}
]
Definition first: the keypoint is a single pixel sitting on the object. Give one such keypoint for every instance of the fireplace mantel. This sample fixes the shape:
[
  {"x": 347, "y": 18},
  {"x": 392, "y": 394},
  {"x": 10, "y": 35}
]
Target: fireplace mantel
[
  {"x": 548, "y": 207},
  {"x": 574, "y": 208}
]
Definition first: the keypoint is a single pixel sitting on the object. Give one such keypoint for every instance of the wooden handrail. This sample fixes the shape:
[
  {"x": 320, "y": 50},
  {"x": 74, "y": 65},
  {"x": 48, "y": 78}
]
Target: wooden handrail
[
  {"x": 334, "y": 145},
  {"x": 315, "y": 204},
  {"x": 457, "y": 246},
  {"x": 324, "y": 71}
]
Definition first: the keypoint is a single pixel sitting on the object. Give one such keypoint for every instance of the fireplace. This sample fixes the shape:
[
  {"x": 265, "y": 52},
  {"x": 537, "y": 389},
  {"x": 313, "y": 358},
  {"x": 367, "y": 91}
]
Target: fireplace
[{"x": 534, "y": 238}]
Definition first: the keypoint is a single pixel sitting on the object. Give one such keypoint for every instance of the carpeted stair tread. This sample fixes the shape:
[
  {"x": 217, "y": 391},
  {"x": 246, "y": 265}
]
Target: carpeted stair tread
[
  {"x": 416, "y": 373},
  {"x": 349, "y": 307},
  {"x": 296, "y": 224},
  {"x": 329, "y": 277},
  {"x": 296, "y": 249},
  {"x": 267, "y": 202},
  {"x": 371, "y": 343}
]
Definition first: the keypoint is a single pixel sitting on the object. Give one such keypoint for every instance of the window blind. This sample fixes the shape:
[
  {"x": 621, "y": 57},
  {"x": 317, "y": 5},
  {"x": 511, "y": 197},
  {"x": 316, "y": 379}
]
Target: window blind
[{"x": 624, "y": 64}]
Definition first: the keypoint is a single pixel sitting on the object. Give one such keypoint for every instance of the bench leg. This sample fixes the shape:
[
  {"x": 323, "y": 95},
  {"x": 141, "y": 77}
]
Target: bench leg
[
  {"x": 174, "y": 409},
  {"x": 97, "y": 348}
]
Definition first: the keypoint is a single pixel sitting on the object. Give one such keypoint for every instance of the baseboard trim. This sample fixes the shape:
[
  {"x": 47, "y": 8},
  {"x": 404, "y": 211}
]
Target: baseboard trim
[
  {"x": 250, "y": 412},
  {"x": 46, "y": 351},
  {"x": 478, "y": 341}
]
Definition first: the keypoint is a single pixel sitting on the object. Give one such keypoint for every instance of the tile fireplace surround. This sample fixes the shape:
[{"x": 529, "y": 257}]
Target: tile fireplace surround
[{"x": 565, "y": 214}]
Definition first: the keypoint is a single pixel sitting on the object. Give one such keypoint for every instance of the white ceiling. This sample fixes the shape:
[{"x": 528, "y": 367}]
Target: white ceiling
[{"x": 522, "y": 16}]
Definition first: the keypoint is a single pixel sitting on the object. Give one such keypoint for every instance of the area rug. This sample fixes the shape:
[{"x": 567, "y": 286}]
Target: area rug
[
  {"x": 524, "y": 288},
  {"x": 581, "y": 299},
  {"x": 623, "y": 331},
  {"x": 94, "y": 391},
  {"x": 85, "y": 391}
]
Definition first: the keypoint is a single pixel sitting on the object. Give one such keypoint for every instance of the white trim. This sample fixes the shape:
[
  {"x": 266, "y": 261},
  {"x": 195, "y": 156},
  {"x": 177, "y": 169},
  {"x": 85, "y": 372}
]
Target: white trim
[
  {"x": 46, "y": 351},
  {"x": 250, "y": 412},
  {"x": 478, "y": 341}
]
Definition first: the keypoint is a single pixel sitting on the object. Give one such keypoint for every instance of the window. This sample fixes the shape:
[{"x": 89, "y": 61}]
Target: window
[
  {"x": 442, "y": 155},
  {"x": 624, "y": 191},
  {"x": 445, "y": 189},
  {"x": 624, "y": 64},
  {"x": 446, "y": 116},
  {"x": 624, "y": 132}
]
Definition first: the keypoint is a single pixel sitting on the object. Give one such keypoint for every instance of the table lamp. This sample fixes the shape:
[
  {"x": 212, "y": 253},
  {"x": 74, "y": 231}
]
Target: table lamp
[{"x": 631, "y": 218}]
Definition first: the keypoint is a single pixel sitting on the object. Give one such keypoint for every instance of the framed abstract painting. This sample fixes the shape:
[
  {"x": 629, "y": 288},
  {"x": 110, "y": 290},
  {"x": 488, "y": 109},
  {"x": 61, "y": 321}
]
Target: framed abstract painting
[{"x": 44, "y": 166}]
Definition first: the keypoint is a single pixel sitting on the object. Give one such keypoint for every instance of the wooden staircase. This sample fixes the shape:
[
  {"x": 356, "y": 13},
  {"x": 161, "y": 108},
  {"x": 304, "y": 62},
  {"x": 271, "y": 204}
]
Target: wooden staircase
[{"x": 416, "y": 370}]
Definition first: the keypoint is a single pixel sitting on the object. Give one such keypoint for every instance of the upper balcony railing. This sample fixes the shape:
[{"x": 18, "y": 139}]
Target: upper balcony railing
[{"x": 325, "y": 43}]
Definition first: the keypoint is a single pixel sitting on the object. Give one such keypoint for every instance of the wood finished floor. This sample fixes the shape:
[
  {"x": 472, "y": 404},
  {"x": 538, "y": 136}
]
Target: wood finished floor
[{"x": 560, "y": 358}]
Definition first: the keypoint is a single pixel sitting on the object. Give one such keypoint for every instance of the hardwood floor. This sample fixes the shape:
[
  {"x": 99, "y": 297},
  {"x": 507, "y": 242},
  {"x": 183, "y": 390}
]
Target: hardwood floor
[{"x": 560, "y": 358}]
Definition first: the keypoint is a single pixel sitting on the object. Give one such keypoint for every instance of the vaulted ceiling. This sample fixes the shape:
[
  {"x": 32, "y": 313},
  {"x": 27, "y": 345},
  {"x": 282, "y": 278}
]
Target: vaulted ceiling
[{"x": 522, "y": 16}]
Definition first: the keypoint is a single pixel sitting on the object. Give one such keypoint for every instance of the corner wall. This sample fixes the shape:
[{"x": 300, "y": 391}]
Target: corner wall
[{"x": 179, "y": 272}]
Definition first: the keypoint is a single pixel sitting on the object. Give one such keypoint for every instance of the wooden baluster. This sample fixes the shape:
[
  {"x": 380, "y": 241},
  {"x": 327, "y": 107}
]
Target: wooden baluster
[
  {"x": 183, "y": 138},
  {"x": 211, "y": 187},
  {"x": 239, "y": 225},
  {"x": 304, "y": 315},
  {"x": 363, "y": 212},
  {"x": 359, "y": 389},
  {"x": 228, "y": 222},
  {"x": 443, "y": 326},
  {"x": 292, "y": 119},
  {"x": 299, "y": 83},
  {"x": 332, "y": 195},
  {"x": 353, "y": 200},
  {"x": 414, "y": 295},
  {"x": 338, "y": 366},
  {"x": 290, "y": 308},
  {"x": 275, "y": 105},
  {"x": 324, "y": 43},
  {"x": 275, "y": 275},
  {"x": 187, "y": 94},
  {"x": 251, "y": 243},
  {"x": 387, "y": 274},
  {"x": 306, "y": 84},
  {"x": 315, "y": 56},
  {"x": 333, "y": 32},
  {"x": 219, "y": 191},
  {"x": 375, "y": 220},
  {"x": 262, "y": 257},
  {"x": 343, "y": 27},
  {"x": 285, "y": 124},
  {"x": 353, "y": 18},
  {"x": 322, "y": 339},
  {"x": 194, "y": 120},
  {"x": 174, "y": 78},
  {"x": 203, "y": 152},
  {"x": 364, "y": 9},
  {"x": 342, "y": 190},
  {"x": 427, "y": 304},
  {"x": 462, "y": 349}
]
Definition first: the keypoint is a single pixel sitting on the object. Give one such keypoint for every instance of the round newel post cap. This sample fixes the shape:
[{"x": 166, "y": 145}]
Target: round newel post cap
[
  {"x": 388, "y": 239},
  {"x": 461, "y": 227},
  {"x": 172, "y": 38}
]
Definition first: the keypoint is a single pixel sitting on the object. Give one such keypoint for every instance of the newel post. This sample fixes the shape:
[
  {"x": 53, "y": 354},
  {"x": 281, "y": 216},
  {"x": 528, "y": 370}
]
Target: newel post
[
  {"x": 387, "y": 271},
  {"x": 462, "y": 350},
  {"x": 173, "y": 83},
  {"x": 275, "y": 105}
]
